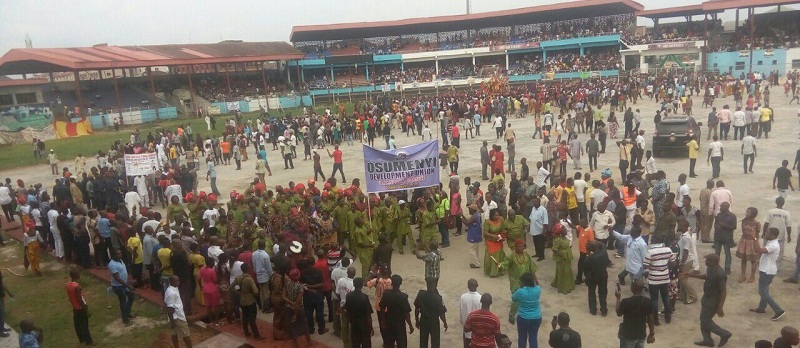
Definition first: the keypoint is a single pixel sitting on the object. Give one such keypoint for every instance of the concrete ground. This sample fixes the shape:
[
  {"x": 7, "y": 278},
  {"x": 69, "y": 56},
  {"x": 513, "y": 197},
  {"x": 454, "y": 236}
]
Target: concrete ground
[{"x": 748, "y": 190}]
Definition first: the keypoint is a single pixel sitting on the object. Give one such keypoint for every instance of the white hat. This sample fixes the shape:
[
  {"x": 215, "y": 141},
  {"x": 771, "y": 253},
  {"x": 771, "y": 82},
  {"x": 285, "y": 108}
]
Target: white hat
[
  {"x": 401, "y": 202},
  {"x": 281, "y": 138},
  {"x": 296, "y": 247}
]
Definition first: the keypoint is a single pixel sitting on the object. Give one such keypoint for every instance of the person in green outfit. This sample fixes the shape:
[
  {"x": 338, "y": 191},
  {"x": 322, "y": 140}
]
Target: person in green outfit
[
  {"x": 428, "y": 226},
  {"x": 494, "y": 234},
  {"x": 384, "y": 215},
  {"x": 515, "y": 227},
  {"x": 400, "y": 216},
  {"x": 363, "y": 244},
  {"x": 519, "y": 263},
  {"x": 341, "y": 214},
  {"x": 562, "y": 254}
]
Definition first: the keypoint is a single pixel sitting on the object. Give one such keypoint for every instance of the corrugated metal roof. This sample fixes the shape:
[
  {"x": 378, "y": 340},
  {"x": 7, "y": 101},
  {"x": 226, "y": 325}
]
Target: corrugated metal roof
[
  {"x": 32, "y": 60},
  {"x": 527, "y": 15}
]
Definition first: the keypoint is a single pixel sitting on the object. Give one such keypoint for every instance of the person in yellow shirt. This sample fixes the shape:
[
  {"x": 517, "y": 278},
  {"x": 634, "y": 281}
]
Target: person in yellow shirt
[
  {"x": 765, "y": 122},
  {"x": 572, "y": 199},
  {"x": 137, "y": 256},
  {"x": 694, "y": 151}
]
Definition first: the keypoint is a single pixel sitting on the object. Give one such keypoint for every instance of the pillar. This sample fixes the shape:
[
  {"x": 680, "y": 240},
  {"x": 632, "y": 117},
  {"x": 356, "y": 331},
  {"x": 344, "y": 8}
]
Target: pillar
[
  {"x": 228, "y": 77},
  {"x": 366, "y": 70},
  {"x": 581, "y": 48},
  {"x": 655, "y": 27},
  {"x": 264, "y": 76},
  {"x": 507, "y": 59},
  {"x": 752, "y": 17},
  {"x": 116, "y": 93},
  {"x": 437, "y": 67},
  {"x": 302, "y": 74},
  {"x": 153, "y": 91},
  {"x": 189, "y": 70},
  {"x": 473, "y": 61},
  {"x": 332, "y": 78},
  {"x": 78, "y": 93},
  {"x": 402, "y": 67},
  {"x": 737, "y": 20},
  {"x": 544, "y": 58}
]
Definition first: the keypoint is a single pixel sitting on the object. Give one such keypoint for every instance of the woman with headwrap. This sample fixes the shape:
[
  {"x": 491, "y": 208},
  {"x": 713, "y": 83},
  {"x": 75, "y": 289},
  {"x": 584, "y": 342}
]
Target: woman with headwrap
[{"x": 294, "y": 313}]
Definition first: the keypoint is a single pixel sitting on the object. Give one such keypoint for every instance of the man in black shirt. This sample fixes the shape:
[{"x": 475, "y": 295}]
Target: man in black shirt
[
  {"x": 636, "y": 312},
  {"x": 782, "y": 181},
  {"x": 359, "y": 311},
  {"x": 596, "y": 270},
  {"x": 428, "y": 310},
  {"x": 714, "y": 294},
  {"x": 398, "y": 312},
  {"x": 564, "y": 336},
  {"x": 313, "y": 301}
]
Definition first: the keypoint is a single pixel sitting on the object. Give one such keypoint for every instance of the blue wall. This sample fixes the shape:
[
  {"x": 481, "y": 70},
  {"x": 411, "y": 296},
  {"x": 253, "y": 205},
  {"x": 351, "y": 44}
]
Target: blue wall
[
  {"x": 726, "y": 61},
  {"x": 148, "y": 115},
  {"x": 293, "y": 102}
]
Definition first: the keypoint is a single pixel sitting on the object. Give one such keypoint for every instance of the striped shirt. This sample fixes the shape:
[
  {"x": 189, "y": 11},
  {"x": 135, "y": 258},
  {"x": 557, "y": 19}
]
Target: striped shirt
[
  {"x": 484, "y": 325},
  {"x": 657, "y": 263}
]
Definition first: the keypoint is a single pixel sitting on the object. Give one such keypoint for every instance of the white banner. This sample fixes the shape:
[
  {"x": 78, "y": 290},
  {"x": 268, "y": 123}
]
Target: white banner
[
  {"x": 233, "y": 106},
  {"x": 141, "y": 164}
]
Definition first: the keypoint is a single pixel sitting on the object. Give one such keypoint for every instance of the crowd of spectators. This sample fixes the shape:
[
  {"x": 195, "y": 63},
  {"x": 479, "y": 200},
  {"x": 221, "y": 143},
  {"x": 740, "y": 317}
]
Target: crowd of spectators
[
  {"x": 592, "y": 60},
  {"x": 682, "y": 31},
  {"x": 772, "y": 30},
  {"x": 217, "y": 90},
  {"x": 581, "y": 27}
]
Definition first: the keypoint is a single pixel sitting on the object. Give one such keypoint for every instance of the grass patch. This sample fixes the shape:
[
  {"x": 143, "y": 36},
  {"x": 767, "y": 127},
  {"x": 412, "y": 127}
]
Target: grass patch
[
  {"x": 21, "y": 155},
  {"x": 44, "y": 300}
]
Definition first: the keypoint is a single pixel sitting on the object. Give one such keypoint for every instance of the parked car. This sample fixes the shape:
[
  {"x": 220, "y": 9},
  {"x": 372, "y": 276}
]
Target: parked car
[{"x": 673, "y": 133}]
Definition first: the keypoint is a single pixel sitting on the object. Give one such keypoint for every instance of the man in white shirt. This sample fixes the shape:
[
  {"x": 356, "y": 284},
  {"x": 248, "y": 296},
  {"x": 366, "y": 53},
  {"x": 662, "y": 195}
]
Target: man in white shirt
[
  {"x": 781, "y": 219},
  {"x": 5, "y": 201},
  {"x": 488, "y": 205},
  {"x": 133, "y": 202},
  {"x": 541, "y": 175},
  {"x": 601, "y": 223},
  {"x": 469, "y": 302},
  {"x": 177, "y": 318},
  {"x": 716, "y": 153},
  {"x": 580, "y": 194},
  {"x": 52, "y": 215},
  {"x": 718, "y": 196},
  {"x": 650, "y": 165},
  {"x": 173, "y": 190},
  {"x": 749, "y": 151},
  {"x": 687, "y": 249},
  {"x": 211, "y": 215},
  {"x": 338, "y": 272},
  {"x": 683, "y": 190},
  {"x": 343, "y": 287},
  {"x": 656, "y": 262},
  {"x": 767, "y": 268}
]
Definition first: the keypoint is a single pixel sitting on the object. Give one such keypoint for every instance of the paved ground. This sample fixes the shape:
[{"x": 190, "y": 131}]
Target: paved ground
[{"x": 748, "y": 190}]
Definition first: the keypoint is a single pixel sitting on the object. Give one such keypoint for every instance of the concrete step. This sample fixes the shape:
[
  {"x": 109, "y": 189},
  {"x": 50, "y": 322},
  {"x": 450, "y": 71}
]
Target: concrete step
[{"x": 224, "y": 340}]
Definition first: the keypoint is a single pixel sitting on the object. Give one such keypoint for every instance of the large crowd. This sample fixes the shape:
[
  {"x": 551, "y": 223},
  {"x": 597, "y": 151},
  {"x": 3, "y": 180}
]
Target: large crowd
[{"x": 291, "y": 248}]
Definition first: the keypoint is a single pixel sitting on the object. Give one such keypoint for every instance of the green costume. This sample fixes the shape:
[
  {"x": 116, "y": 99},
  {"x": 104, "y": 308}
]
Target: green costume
[
  {"x": 341, "y": 214},
  {"x": 267, "y": 242},
  {"x": 517, "y": 265},
  {"x": 195, "y": 215},
  {"x": 514, "y": 229},
  {"x": 359, "y": 237},
  {"x": 562, "y": 255},
  {"x": 428, "y": 228},
  {"x": 400, "y": 217},
  {"x": 494, "y": 249}
]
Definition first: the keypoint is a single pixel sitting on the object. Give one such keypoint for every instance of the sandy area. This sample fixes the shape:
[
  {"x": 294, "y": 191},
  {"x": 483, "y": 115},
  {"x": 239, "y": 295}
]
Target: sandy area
[{"x": 751, "y": 190}]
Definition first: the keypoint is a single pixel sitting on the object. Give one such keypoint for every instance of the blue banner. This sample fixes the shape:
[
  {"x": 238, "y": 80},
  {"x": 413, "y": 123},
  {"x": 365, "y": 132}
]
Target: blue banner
[{"x": 401, "y": 169}]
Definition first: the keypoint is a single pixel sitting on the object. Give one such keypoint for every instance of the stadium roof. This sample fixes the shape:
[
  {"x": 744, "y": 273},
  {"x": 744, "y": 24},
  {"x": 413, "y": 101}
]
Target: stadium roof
[
  {"x": 527, "y": 15},
  {"x": 711, "y": 6},
  {"x": 680, "y": 11},
  {"x": 8, "y": 82},
  {"x": 717, "y": 5},
  {"x": 40, "y": 60}
]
